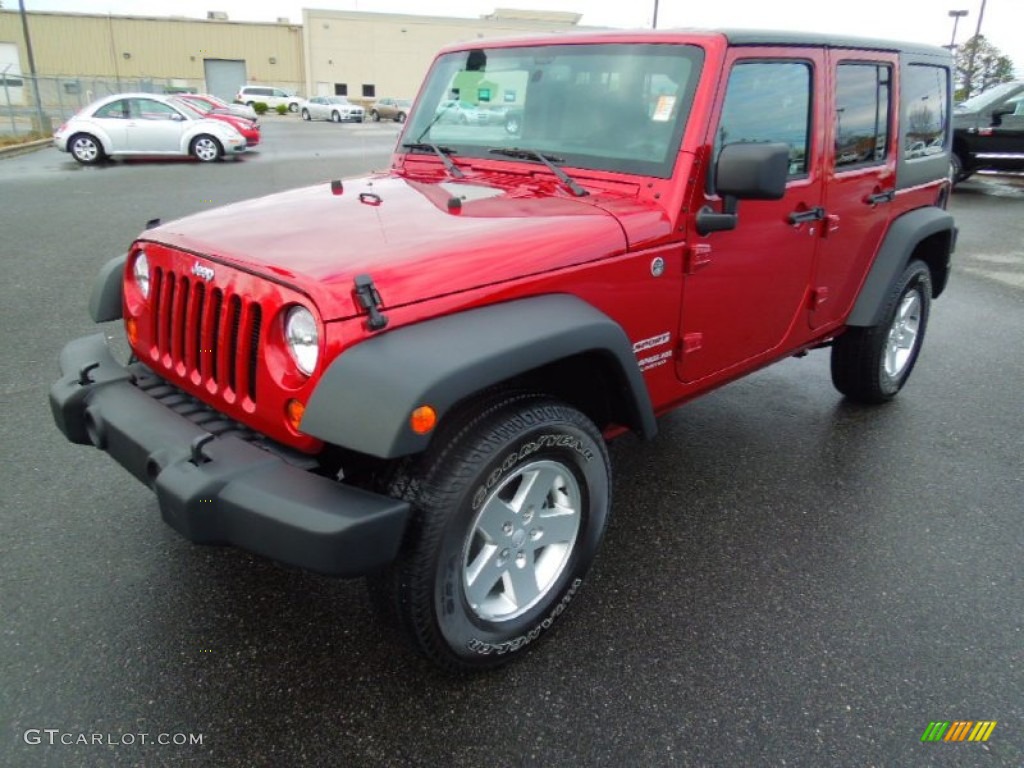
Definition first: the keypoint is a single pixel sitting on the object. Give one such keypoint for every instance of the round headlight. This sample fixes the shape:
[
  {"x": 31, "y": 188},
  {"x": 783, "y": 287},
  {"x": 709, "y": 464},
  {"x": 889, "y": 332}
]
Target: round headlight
[
  {"x": 140, "y": 271},
  {"x": 301, "y": 336}
]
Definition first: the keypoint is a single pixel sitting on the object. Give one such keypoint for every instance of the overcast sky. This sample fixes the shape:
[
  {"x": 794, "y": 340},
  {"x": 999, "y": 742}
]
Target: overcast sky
[{"x": 915, "y": 20}]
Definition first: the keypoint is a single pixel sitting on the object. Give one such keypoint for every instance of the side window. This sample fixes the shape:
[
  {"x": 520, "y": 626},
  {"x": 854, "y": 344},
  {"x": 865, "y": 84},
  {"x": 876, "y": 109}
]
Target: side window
[
  {"x": 925, "y": 110},
  {"x": 769, "y": 101},
  {"x": 862, "y": 114},
  {"x": 147, "y": 109},
  {"x": 279, "y": 93},
  {"x": 115, "y": 109}
]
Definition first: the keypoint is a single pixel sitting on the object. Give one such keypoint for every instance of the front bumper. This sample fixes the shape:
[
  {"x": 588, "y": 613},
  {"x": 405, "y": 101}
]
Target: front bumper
[{"x": 222, "y": 490}]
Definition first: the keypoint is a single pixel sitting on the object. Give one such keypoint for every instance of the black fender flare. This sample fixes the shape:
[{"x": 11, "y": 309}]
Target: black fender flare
[
  {"x": 903, "y": 236},
  {"x": 107, "y": 300},
  {"x": 364, "y": 399}
]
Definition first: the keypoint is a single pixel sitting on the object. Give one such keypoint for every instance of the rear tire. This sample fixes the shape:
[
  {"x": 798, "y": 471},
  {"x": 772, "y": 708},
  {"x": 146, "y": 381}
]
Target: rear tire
[
  {"x": 871, "y": 365},
  {"x": 86, "y": 148},
  {"x": 375, "y": 116},
  {"x": 305, "y": 115},
  {"x": 400, "y": 117},
  {"x": 510, "y": 504}
]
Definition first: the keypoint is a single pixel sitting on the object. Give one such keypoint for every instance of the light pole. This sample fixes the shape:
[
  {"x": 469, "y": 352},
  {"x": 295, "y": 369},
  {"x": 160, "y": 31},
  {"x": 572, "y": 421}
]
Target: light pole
[
  {"x": 655, "y": 24},
  {"x": 44, "y": 123},
  {"x": 956, "y": 16},
  {"x": 969, "y": 76}
]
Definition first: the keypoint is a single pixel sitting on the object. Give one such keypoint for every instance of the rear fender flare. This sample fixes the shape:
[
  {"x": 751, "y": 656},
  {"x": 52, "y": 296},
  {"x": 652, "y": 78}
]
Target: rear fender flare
[{"x": 900, "y": 242}]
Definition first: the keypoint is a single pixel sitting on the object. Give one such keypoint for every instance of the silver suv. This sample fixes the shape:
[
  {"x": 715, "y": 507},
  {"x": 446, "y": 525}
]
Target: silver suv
[{"x": 272, "y": 97}]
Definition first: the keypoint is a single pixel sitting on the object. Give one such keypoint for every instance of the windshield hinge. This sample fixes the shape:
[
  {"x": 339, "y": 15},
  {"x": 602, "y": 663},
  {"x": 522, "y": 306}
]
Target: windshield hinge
[{"x": 369, "y": 299}]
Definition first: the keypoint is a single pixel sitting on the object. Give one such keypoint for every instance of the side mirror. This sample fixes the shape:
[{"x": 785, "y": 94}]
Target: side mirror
[
  {"x": 745, "y": 172},
  {"x": 998, "y": 114},
  {"x": 176, "y": 117}
]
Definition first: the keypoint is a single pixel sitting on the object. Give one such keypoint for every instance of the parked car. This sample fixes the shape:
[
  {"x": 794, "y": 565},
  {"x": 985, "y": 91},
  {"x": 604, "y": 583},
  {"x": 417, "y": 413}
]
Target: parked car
[
  {"x": 337, "y": 109},
  {"x": 988, "y": 131},
  {"x": 424, "y": 363},
  {"x": 464, "y": 113},
  {"x": 242, "y": 110},
  {"x": 251, "y": 95},
  {"x": 250, "y": 129},
  {"x": 390, "y": 109},
  {"x": 145, "y": 124}
]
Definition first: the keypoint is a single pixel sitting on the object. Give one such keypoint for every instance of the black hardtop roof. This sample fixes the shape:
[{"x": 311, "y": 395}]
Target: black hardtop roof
[{"x": 808, "y": 39}]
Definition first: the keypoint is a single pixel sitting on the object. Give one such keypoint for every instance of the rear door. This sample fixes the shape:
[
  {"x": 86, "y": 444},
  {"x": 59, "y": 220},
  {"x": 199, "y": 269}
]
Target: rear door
[
  {"x": 860, "y": 163},
  {"x": 745, "y": 291}
]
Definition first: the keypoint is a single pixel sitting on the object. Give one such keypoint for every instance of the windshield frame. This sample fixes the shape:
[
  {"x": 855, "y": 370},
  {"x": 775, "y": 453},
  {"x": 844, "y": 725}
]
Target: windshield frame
[{"x": 648, "y": 60}]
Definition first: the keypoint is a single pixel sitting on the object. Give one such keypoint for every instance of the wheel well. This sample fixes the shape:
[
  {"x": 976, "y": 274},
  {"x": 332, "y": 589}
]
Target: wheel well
[
  {"x": 934, "y": 251},
  {"x": 589, "y": 381}
]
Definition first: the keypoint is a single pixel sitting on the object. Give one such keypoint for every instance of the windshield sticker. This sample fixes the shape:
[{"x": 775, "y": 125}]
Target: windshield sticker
[{"x": 663, "y": 110}]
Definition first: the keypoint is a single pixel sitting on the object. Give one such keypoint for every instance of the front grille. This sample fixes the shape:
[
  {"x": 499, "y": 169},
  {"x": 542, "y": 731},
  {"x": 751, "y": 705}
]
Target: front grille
[{"x": 206, "y": 335}]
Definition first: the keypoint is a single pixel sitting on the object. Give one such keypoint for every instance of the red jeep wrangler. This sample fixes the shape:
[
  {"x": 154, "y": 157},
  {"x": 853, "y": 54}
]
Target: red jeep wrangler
[{"x": 417, "y": 382}]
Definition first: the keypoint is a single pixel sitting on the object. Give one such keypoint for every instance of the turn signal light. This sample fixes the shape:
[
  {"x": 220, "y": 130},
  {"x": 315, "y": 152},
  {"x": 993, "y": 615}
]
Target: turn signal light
[
  {"x": 131, "y": 328},
  {"x": 423, "y": 420},
  {"x": 294, "y": 411}
]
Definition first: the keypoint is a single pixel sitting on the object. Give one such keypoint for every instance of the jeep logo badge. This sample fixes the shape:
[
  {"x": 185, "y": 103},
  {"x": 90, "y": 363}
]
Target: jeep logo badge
[{"x": 200, "y": 271}]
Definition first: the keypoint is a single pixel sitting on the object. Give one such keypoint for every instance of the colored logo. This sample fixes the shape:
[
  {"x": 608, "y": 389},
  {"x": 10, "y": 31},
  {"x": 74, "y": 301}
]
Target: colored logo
[{"x": 959, "y": 730}]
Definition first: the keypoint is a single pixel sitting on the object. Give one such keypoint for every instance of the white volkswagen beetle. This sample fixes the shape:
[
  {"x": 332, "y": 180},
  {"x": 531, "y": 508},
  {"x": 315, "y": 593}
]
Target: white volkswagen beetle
[{"x": 145, "y": 124}]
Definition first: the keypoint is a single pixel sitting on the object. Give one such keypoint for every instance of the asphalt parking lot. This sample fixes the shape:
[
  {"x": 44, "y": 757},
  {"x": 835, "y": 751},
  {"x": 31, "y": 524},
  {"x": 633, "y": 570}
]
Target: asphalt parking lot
[{"x": 787, "y": 579}]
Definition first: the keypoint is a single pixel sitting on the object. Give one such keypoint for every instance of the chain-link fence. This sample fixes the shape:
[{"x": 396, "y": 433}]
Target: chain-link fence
[{"x": 62, "y": 96}]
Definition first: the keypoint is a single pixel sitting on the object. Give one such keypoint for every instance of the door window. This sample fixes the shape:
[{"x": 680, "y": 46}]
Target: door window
[
  {"x": 148, "y": 109},
  {"x": 862, "y": 114},
  {"x": 769, "y": 101},
  {"x": 115, "y": 109}
]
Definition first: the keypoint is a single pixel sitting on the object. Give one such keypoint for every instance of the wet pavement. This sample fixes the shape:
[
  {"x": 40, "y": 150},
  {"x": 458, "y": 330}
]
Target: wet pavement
[{"x": 787, "y": 580}]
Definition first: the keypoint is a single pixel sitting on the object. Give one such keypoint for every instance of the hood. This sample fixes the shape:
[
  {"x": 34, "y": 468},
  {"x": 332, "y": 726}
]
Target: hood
[{"x": 407, "y": 235}]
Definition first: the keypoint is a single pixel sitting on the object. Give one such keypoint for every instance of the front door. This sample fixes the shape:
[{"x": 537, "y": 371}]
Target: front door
[
  {"x": 746, "y": 290},
  {"x": 154, "y": 127}
]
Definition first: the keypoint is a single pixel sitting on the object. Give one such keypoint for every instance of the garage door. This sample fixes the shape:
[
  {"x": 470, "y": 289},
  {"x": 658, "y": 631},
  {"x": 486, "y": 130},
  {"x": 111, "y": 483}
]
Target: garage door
[{"x": 224, "y": 77}]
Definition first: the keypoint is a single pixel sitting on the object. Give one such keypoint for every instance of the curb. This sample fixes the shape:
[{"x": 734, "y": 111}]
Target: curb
[{"x": 24, "y": 149}]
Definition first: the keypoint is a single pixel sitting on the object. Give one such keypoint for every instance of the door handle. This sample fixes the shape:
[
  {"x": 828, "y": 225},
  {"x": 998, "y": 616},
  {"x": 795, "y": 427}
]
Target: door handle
[
  {"x": 803, "y": 217},
  {"x": 881, "y": 197}
]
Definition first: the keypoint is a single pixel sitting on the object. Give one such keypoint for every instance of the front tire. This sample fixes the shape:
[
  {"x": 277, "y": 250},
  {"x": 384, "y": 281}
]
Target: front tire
[
  {"x": 957, "y": 171},
  {"x": 86, "y": 149},
  {"x": 510, "y": 507},
  {"x": 335, "y": 117},
  {"x": 293, "y": 107},
  {"x": 206, "y": 149},
  {"x": 871, "y": 365}
]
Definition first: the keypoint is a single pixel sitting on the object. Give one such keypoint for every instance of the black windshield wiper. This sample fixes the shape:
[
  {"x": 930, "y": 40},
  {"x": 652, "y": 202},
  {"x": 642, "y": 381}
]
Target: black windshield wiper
[
  {"x": 441, "y": 152},
  {"x": 548, "y": 160}
]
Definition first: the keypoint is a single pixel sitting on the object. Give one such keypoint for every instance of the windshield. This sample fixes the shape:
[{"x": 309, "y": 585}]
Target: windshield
[
  {"x": 337, "y": 100},
  {"x": 614, "y": 107},
  {"x": 191, "y": 110},
  {"x": 986, "y": 98}
]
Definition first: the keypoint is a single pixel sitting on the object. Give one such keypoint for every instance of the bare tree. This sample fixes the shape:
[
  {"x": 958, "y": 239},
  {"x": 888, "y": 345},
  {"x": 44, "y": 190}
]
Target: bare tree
[{"x": 979, "y": 66}]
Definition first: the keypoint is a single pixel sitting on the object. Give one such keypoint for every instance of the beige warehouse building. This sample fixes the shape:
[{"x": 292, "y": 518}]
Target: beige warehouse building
[
  {"x": 362, "y": 55},
  {"x": 116, "y": 53},
  {"x": 369, "y": 55}
]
